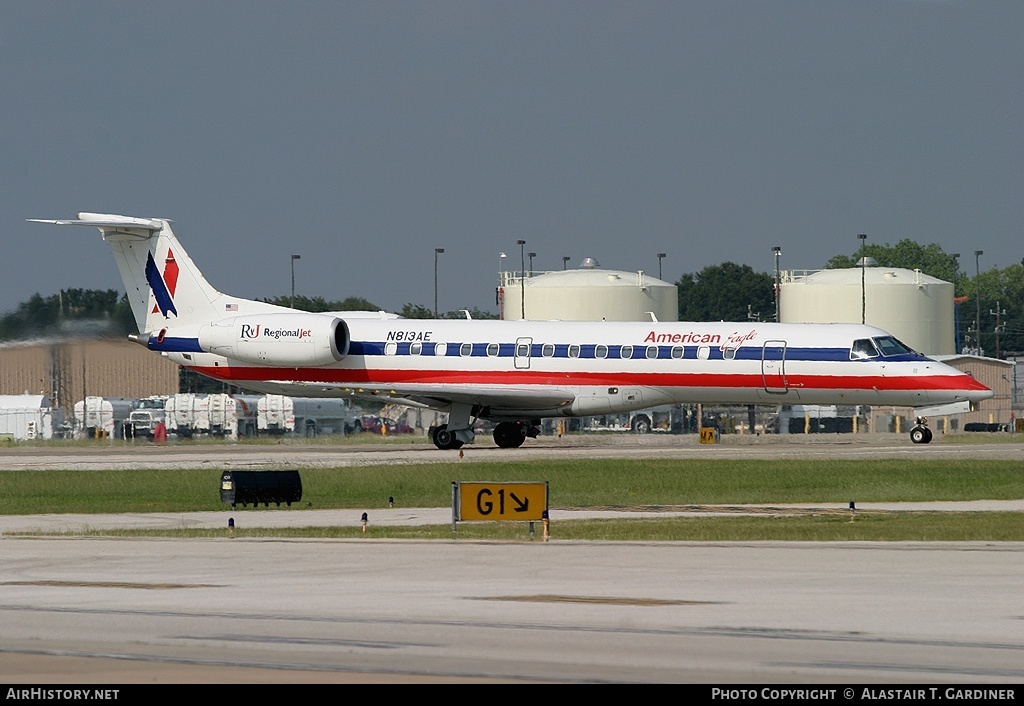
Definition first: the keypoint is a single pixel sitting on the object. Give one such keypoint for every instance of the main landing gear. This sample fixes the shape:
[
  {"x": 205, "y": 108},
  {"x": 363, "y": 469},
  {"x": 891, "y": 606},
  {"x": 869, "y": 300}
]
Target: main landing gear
[
  {"x": 511, "y": 435},
  {"x": 921, "y": 434},
  {"x": 444, "y": 439},
  {"x": 507, "y": 435}
]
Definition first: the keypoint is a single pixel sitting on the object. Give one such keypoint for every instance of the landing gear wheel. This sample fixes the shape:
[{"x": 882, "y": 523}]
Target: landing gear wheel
[
  {"x": 509, "y": 435},
  {"x": 920, "y": 435},
  {"x": 642, "y": 424},
  {"x": 446, "y": 440}
]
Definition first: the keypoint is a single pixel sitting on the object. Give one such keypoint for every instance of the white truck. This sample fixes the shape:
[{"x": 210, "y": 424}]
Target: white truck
[
  {"x": 306, "y": 416},
  {"x": 148, "y": 413}
]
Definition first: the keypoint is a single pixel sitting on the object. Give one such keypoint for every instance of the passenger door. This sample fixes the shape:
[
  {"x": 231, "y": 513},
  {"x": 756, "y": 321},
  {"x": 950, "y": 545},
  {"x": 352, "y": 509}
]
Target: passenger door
[{"x": 773, "y": 367}]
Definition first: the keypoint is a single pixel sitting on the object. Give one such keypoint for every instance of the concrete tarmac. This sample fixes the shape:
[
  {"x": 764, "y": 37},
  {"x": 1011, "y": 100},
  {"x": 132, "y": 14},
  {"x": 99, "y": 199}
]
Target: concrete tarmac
[
  {"x": 234, "y": 610},
  {"x": 121, "y": 611}
]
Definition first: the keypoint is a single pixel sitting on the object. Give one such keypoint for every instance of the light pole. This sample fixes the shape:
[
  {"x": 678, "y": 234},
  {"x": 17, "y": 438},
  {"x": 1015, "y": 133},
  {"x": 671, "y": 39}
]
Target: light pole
[
  {"x": 778, "y": 251},
  {"x": 956, "y": 304},
  {"x": 294, "y": 258},
  {"x": 863, "y": 269},
  {"x": 437, "y": 251},
  {"x": 661, "y": 256},
  {"x": 531, "y": 256},
  {"x": 977, "y": 299},
  {"x": 522, "y": 277},
  {"x": 565, "y": 261}
]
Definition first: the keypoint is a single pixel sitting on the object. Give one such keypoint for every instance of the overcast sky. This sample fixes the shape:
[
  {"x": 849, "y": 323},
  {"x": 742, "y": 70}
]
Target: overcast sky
[{"x": 362, "y": 135}]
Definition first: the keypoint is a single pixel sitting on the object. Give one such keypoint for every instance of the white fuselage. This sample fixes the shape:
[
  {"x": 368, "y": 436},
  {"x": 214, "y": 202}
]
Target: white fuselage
[{"x": 554, "y": 368}]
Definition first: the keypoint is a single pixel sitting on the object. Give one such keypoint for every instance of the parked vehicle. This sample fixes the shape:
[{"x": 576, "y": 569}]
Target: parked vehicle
[
  {"x": 149, "y": 412},
  {"x": 188, "y": 414},
  {"x": 97, "y": 417}
]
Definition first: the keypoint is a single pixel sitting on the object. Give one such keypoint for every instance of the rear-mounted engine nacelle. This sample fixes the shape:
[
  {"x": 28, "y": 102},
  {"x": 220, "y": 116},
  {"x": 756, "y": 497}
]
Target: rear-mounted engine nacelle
[{"x": 284, "y": 340}]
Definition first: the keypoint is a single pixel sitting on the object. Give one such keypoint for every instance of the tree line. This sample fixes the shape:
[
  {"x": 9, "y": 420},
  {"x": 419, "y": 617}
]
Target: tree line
[{"x": 724, "y": 292}]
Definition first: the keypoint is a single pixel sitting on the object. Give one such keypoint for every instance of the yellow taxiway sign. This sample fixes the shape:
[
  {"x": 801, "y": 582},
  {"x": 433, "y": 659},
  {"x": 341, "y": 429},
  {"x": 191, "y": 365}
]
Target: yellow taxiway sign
[{"x": 521, "y": 502}]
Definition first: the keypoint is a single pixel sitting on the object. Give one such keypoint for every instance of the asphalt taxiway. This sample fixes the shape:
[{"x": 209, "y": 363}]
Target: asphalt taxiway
[{"x": 118, "y": 455}]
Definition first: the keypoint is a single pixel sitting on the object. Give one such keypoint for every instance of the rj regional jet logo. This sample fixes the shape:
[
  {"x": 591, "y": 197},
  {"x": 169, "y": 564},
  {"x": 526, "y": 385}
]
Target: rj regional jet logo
[
  {"x": 257, "y": 330},
  {"x": 163, "y": 286}
]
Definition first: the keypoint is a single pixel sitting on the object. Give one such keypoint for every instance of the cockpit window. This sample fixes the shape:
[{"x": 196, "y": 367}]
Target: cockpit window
[
  {"x": 863, "y": 348},
  {"x": 891, "y": 346}
]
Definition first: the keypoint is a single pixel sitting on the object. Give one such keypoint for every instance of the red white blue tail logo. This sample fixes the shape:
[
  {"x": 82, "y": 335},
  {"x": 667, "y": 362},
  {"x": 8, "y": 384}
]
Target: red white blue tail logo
[{"x": 163, "y": 286}]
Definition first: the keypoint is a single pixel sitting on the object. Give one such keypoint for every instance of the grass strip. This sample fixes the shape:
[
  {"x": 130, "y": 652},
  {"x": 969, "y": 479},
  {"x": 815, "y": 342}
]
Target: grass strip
[{"x": 573, "y": 483}]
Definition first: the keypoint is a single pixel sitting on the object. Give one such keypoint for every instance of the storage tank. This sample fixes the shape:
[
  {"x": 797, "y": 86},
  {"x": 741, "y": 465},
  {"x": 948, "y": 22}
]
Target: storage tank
[
  {"x": 275, "y": 414},
  {"x": 913, "y": 306},
  {"x": 97, "y": 417},
  {"x": 586, "y": 294},
  {"x": 187, "y": 414}
]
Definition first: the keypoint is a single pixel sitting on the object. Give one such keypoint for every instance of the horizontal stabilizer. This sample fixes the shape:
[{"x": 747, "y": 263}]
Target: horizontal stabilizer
[{"x": 105, "y": 220}]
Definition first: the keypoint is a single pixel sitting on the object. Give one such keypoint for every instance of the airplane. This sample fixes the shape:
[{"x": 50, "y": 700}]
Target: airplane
[{"x": 514, "y": 373}]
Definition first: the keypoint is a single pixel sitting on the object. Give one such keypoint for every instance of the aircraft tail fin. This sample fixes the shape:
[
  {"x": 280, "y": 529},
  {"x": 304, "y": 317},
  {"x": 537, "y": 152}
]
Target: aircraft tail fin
[{"x": 165, "y": 288}]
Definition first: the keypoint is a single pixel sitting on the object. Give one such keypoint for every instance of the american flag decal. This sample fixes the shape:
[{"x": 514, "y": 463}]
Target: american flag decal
[{"x": 231, "y": 307}]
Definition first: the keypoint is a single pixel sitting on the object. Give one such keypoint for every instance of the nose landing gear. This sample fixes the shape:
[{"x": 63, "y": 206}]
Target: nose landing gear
[{"x": 921, "y": 434}]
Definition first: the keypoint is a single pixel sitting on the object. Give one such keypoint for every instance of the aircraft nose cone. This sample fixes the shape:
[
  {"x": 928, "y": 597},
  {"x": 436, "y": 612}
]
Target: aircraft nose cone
[{"x": 979, "y": 395}]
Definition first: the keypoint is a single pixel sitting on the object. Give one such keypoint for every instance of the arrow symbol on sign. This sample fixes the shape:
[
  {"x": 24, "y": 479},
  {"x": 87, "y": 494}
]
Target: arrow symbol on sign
[{"x": 521, "y": 505}]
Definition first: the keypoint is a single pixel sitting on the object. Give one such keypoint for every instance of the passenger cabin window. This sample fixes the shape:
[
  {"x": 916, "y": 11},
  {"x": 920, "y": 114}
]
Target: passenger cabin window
[
  {"x": 863, "y": 348},
  {"x": 466, "y": 350},
  {"x": 492, "y": 349},
  {"x": 601, "y": 351},
  {"x": 441, "y": 349},
  {"x": 626, "y": 352},
  {"x": 415, "y": 348},
  {"x": 728, "y": 353},
  {"x": 891, "y": 346},
  {"x": 548, "y": 350},
  {"x": 677, "y": 352},
  {"x": 390, "y": 348},
  {"x": 522, "y": 350},
  {"x": 652, "y": 351},
  {"x": 703, "y": 352},
  {"x": 574, "y": 351}
]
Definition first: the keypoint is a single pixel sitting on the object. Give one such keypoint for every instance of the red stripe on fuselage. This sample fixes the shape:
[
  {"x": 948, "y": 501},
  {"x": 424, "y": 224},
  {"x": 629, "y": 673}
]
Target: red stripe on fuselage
[{"x": 518, "y": 378}]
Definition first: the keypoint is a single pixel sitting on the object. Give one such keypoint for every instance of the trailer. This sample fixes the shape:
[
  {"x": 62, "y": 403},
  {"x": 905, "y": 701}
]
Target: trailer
[
  {"x": 103, "y": 417},
  {"x": 183, "y": 413},
  {"x": 306, "y": 416},
  {"x": 189, "y": 414},
  {"x": 222, "y": 415},
  {"x": 247, "y": 414},
  {"x": 26, "y": 417},
  {"x": 315, "y": 416},
  {"x": 275, "y": 414}
]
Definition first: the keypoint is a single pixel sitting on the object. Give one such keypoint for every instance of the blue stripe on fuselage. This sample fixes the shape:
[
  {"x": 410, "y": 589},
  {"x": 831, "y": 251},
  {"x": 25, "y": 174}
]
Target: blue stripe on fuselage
[
  {"x": 587, "y": 351},
  {"x": 639, "y": 352}
]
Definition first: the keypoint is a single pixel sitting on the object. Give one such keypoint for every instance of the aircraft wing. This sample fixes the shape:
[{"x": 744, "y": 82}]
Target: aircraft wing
[{"x": 497, "y": 400}]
